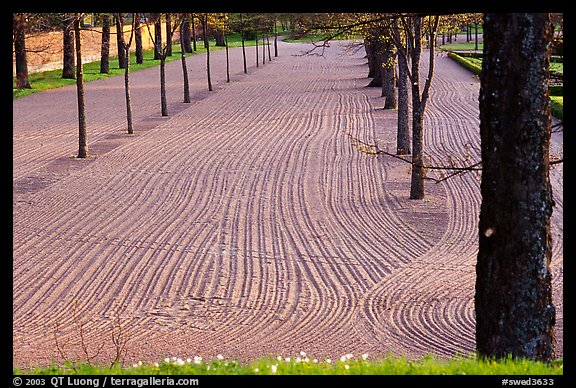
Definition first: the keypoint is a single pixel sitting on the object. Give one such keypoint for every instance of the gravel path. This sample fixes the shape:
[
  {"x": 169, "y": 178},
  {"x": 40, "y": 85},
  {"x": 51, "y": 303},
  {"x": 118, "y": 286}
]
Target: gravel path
[{"x": 249, "y": 222}]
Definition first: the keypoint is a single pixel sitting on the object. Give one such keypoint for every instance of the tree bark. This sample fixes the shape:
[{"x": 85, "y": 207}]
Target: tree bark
[
  {"x": 183, "y": 39},
  {"x": 138, "y": 40},
  {"x": 157, "y": 36},
  {"x": 389, "y": 75},
  {"x": 82, "y": 133},
  {"x": 403, "y": 134},
  {"x": 375, "y": 61},
  {"x": 68, "y": 45},
  {"x": 186, "y": 41},
  {"x": 18, "y": 25},
  {"x": 168, "y": 48},
  {"x": 105, "y": 46},
  {"x": 417, "y": 177},
  {"x": 205, "y": 36},
  {"x": 119, "y": 18},
  {"x": 515, "y": 315}
]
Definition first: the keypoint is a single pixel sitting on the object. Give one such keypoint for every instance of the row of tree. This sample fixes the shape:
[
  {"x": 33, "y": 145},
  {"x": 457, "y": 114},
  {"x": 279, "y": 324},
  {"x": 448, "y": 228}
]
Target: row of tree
[
  {"x": 514, "y": 310},
  {"x": 515, "y": 314}
]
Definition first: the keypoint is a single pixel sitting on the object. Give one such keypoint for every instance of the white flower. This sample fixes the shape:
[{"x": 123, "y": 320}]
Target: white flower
[
  {"x": 303, "y": 354},
  {"x": 134, "y": 365},
  {"x": 256, "y": 370},
  {"x": 287, "y": 359},
  {"x": 274, "y": 368},
  {"x": 365, "y": 356},
  {"x": 279, "y": 358},
  {"x": 179, "y": 361},
  {"x": 197, "y": 359},
  {"x": 188, "y": 360},
  {"x": 167, "y": 359},
  {"x": 346, "y": 366},
  {"x": 156, "y": 364},
  {"x": 315, "y": 361},
  {"x": 297, "y": 359},
  {"x": 343, "y": 358},
  {"x": 220, "y": 357},
  {"x": 328, "y": 361}
]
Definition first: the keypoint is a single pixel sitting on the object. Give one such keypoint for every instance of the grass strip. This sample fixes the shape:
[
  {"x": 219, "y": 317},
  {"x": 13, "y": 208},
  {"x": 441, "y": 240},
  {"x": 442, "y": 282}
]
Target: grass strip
[{"x": 302, "y": 364}]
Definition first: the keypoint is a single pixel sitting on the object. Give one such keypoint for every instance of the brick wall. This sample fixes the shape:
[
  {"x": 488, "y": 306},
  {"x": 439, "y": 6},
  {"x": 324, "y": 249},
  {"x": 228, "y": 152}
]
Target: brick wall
[{"x": 45, "y": 49}]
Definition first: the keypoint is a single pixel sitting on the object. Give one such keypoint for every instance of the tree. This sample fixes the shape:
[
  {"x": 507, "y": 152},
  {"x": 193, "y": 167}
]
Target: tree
[
  {"x": 204, "y": 21},
  {"x": 183, "y": 38},
  {"x": 186, "y": 40},
  {"x": 138, "y": 40},
  {"x": 18, "y": 29},
  {"x": 122, "y": 58},
  {"x": 414, "y": 31},
  {"x": 126, "y": 49},
  {"x": 157, "y": 18},
  {"x": 403, "y": 127},
  {"x": 168, "y": 27},
  {"x": 514, "y": 311},
  {"x": 105, "y": 47},
  {"x": 82, "y": 133},
  {"x": 68, "y": 46},
  {"x": 160, "y": 53}
]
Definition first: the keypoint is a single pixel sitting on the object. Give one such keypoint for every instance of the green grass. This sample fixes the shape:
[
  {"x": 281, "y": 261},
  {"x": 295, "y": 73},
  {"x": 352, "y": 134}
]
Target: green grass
[
  {"x": 46, "y": 80},
  {"x": 303, "y": 364},
  {"x": 462, "y": 46},
  {"x": 557, "y": 107}
]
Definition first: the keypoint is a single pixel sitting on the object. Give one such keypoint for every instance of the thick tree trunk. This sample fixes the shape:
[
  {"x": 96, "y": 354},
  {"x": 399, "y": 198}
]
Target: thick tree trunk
[
  {"x": 220, "y": 38},
  {"x": 186, "y": 40},
  {"x": 417, "y": 177},
  {"x": 68, "y": 44},
  {"x": 403, "y": 135},
  {"x": 205, "y": 35},
  {"x": 138, "y": 39},
  {"x": 389, "y": 75},
  {"x": 105, "y": 46},
  {"x": 184, "y": 66},
  {"x": 157, "y": 36},
  {"x": 127, "y": 92},
  {"x": 119, "y": 18},
  {"x": 514, "y": 311},
  {"x": 82, "y": 134},
  {"x": 168, "y": 48},
  {"x": 18, "y": 25},
  {"x": 375, "y": 61},
  {"x": 163, "y": 102}
]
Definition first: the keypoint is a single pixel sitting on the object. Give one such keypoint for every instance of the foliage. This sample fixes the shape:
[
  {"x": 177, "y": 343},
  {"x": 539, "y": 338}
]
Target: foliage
[{"x": 472, "y": 64}]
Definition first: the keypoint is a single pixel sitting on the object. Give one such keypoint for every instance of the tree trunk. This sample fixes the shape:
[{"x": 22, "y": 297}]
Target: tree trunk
[
  {"x": 403, "y": 135},
  {"x": 68, "y": 44},
  {"x": 205, "y": 35},
  {"x": 119, "y": 18},
  {"x": 375, "y": 61},
  {"x": 186, "y": 41},
  {"x": 220, "y": 38},
  {"x": 184, "y": 66},
  {"x": 243, "y": 50},
  {"x": 227, "y": 59},
  {"x": 105, "y": 47},
  {"x": 256, "y": 39},
  {"x": 389, "y": 75},
  {"x": 163, "y": 102},
  {"x": 82, "y": 135},
  {"x": 193, "y": 33},
  {"x": 514, "y": 311},
  {"x": 138, "y": 39},
  {"x": 168, "y": 48},
  {"x": 127, "y": 92},
  {"x": 157, "y": 36},
  {"x": 18, "y": 25}
]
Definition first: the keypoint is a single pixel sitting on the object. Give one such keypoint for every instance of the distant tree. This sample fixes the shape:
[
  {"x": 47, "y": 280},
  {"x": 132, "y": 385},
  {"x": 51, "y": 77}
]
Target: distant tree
[
  {"x": 122, "y": 58},
  {"x": 157, "y": 18},
  {"x": 126, "y": 49},
  {"x": 68, "y": 44},
  {"x": 403, "y": 127},
  {"x": 19, "y": 30},
  {"x": 105, "y": 47},
  {"x": 204, "y": 22},
  {"x": 168, "y": 28},
  {"x": 186, "y": 41},
  {"x": 82, "y": 132},
  {"x": 183, "y": 38},
  {"x": 515, "y": 315},
  {"x": 138, "y": 40}
]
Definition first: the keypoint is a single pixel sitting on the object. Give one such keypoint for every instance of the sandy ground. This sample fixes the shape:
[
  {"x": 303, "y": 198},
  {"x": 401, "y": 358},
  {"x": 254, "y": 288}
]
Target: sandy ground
[{"x": 249, "y": 222}]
